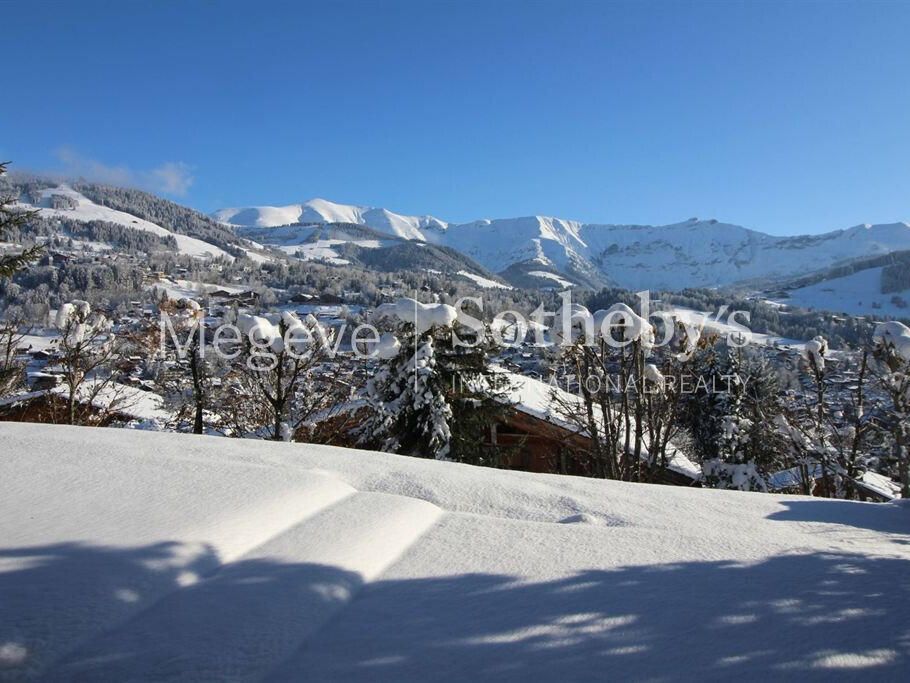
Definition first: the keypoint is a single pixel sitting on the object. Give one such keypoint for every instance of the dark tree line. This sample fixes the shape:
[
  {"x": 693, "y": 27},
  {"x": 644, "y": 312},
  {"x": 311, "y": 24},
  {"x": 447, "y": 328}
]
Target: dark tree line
[{"x": 59, "y": 232}]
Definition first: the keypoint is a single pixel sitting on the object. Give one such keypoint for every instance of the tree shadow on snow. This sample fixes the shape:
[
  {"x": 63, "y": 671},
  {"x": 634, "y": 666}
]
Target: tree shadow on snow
[
  {"x": 882, "y": 517},
  {"x": 800, "y": 616},
  {"x": 79, "y": 612}
]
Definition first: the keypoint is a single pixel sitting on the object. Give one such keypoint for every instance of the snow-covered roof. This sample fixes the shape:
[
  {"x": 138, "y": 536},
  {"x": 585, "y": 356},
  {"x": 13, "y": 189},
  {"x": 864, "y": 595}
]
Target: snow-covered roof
[
  {"x": 895, "y": 335},
  {"x": 885, "y": 486},
  {"x": 421, "y": 316},
  {"x": 114, "y": 397},
  {"x": 189, "y": 289},
  {"x": 547, "y": 401},
  {"x": 130, "y": 555},
  {"x": 122, "y": 399},
  {"x": 791, "y": 478}
]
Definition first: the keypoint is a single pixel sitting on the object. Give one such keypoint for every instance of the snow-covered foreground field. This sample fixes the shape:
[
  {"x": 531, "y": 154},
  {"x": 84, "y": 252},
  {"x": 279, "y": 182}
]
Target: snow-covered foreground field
[{"x": 127, "y": 555}]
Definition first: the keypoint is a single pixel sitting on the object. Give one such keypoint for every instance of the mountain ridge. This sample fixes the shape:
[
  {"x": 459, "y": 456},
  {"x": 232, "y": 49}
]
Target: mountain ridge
[
  {"x": 691, "y": 253},
  {"x": 318, "y": 210}
]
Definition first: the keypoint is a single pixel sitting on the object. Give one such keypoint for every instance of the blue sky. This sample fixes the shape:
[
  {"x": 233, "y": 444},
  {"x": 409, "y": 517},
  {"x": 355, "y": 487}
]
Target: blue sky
[{"x": 789, "y": 117}]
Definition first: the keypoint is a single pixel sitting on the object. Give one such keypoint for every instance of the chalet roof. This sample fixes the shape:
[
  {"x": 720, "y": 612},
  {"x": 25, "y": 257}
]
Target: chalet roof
[
  {"x": 547, "y": 402},
  {"x": 119, "y": 398},
  {"x": 874, "y": 483}
]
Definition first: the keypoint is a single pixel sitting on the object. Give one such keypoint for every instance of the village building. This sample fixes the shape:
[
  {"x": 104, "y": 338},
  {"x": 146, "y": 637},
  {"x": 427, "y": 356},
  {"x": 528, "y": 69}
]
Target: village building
[{"x": 544, "y": 440}]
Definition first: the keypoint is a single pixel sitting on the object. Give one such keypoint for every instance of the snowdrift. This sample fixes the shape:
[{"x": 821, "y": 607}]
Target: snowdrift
[{"x": 135, "y": 555}]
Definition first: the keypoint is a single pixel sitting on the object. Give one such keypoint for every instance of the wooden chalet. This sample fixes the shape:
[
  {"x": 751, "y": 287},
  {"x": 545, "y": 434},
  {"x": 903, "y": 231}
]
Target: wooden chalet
[
  {"x": 537, "y": 439},
  {"x": 530, "y": 436}
]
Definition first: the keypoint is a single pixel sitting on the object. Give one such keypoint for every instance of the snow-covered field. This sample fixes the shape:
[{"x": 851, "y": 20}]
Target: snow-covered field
[
  {"x": 544, "y": 275},
  {"x": 857, "y": 294},
  {"x": 323, "y": 250},
  {"x": 39, "y": 339},
  {"x": 136, "y": 556},
  {"x": 481, "y": 281}
]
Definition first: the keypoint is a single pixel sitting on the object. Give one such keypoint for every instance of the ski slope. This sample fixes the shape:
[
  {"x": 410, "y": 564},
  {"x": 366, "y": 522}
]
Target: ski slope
[
  {"x": 129, "y": 555},
  {"x": 87, "y": 210},
  {"x": 544, "y": 275},
  {"x": 859, "y": 293}
]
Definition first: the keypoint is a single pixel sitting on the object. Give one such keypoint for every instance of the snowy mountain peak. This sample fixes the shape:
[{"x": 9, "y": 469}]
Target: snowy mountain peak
[{"x": 320, "y": 210}]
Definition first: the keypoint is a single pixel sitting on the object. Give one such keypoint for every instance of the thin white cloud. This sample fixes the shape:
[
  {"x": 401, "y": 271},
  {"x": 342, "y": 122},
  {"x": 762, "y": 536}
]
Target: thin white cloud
[{"x": 172, "y": 177}]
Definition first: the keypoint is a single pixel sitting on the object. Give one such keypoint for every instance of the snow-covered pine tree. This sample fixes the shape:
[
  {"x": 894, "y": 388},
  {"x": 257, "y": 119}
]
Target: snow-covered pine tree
[
  {"x": 12, "y": 374},
  {"x": 478, "y": 395},
  {"x": 430, "y": 397},
  {"x": 12, "y": 217},
  {"x": 702, "y": 410},
  {"x": 409, "y": 412},
  {"x": 762, "y": 403},
  {"x": 734, "y": 467}
]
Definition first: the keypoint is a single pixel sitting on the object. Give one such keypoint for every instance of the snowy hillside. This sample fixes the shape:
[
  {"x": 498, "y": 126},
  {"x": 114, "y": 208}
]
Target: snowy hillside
[
  {"x": 343, "y": 244},
  {"x": 309, "y": 243},
  {"x": 86, "y": 210},
  {"x": 858, "y": 294},
  {"x": 133, "y": 555},
  {"x": 693, "y": 253}
]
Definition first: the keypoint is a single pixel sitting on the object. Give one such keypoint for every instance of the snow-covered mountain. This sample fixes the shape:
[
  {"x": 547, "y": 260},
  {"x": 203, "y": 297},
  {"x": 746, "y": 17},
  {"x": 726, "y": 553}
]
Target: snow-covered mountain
[
  {"x": 708, "y": 253},
  {"x": 547, "y": 250},
  {"x": 324, "y": 211}
]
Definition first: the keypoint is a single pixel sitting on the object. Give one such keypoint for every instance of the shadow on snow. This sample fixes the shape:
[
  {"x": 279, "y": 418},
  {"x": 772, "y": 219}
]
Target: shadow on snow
[{"x": 74, "y": 611}]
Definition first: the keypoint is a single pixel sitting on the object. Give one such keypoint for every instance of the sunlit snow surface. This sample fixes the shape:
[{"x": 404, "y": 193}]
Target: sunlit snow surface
[
  {"x": 858, "y": 294},
  {"x": 484, "y": 282},
  {"x": 142, "y": 556}
]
